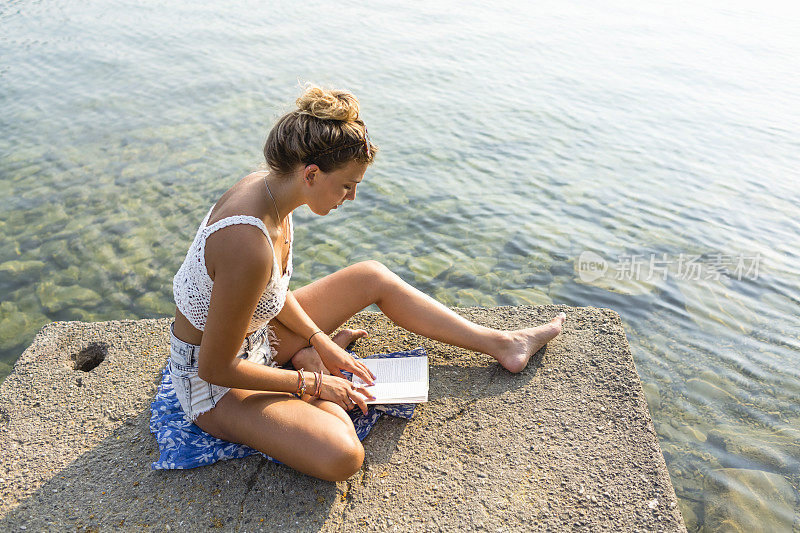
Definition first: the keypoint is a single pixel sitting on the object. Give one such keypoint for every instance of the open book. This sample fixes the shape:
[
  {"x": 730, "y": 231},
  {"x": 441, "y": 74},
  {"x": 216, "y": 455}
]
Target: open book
[{"x": 397, "y": 379}]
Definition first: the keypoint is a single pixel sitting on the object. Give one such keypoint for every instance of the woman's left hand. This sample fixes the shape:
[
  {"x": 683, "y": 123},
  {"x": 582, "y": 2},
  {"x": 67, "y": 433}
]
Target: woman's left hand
[{"x": 335, "y": 358}]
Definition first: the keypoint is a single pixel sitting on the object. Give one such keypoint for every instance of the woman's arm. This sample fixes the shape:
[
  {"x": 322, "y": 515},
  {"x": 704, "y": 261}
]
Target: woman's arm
[
  {"x": 241, "y": 272},
  {"x": 335, "y": 359}
]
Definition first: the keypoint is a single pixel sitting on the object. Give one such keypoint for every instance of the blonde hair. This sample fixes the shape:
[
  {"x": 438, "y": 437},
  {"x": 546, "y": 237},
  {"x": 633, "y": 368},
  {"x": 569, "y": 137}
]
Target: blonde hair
[{"x": 325, "y": 129}]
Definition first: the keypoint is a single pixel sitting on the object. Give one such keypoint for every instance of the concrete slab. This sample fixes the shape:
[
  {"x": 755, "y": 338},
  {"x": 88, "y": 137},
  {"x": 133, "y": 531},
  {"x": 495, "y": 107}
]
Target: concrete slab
[{"x": 566, "y": 444}]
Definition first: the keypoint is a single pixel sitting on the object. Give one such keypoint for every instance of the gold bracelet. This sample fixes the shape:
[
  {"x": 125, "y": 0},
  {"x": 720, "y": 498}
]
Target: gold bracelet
[{"x": 312, "y": 335}]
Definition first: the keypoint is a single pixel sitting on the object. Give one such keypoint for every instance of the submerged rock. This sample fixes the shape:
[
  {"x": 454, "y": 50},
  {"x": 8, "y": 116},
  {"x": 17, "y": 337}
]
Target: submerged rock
[
  {"x": 653, "y": 395},
  {"x": 748, "y": 500},
  {"x": 708, "y": 390},
  {"x": 18, "y": 268},
  {"x": 55, "y": 298},
  {"x": 473, "y": 298},
  {"x": 692, "y": 433},
  {"x": 527, "y": 296},
  {"x": 754, "y": 448},
  {"x": 427, "y": 267},
  {"x": 689, "y": 511}
]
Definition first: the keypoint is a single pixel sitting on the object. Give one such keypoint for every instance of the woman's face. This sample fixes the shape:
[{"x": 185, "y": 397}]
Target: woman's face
[{"x": 331, "y": 189}]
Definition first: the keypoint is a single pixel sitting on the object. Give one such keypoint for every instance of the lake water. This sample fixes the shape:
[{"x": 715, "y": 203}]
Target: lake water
[{"x": 662, "y": 137}]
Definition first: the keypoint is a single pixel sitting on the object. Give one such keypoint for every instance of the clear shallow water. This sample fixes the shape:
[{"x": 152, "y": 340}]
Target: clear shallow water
[{"x": 512, "y": 141}]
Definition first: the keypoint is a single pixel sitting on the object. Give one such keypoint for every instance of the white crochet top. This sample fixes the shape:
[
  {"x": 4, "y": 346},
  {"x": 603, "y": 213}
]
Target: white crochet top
[{"x": 192, "y": 285}]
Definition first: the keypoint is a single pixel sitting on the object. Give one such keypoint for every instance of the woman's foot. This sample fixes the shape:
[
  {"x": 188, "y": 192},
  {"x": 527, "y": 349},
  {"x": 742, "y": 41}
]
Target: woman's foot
[
  {"x": 520, "y": 345},
  {"x": 307, "y": 358}
]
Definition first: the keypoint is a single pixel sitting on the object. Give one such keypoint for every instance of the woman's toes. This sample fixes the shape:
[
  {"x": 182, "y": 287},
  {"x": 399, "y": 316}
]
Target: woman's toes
[
  {"x": 358, "y": 333},
  {"x": 557, "y": 322},
  {"x": 346, "y": 337}
]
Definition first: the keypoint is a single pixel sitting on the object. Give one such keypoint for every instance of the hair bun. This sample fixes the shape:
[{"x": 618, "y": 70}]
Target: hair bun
[{"x": 328, "y": 104}]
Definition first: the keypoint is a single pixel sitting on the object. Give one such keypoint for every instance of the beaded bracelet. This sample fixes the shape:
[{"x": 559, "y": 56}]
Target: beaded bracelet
[
  {"x": 318, "y": 384},
  {"x": 301, "y": 383}
]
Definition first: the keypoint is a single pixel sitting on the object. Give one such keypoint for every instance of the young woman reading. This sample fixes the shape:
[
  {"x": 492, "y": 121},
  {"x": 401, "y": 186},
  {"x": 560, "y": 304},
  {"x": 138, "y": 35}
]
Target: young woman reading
[{"x": 236, "y": 321}]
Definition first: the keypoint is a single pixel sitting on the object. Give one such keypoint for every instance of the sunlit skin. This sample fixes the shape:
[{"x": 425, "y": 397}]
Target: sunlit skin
[{"x": 259, "y": 411}]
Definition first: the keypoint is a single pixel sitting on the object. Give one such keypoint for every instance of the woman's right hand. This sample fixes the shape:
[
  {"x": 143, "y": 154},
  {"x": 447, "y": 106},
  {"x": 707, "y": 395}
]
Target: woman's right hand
[{"x": 343, "y": 393}]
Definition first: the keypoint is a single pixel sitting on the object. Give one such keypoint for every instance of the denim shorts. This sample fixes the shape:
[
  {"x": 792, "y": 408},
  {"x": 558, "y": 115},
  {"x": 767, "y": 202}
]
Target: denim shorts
[{"x": 197, "y": 396}]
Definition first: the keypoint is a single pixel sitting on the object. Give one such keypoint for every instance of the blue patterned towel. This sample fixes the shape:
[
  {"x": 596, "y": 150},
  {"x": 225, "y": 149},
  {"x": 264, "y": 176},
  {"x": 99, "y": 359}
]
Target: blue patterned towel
[{"x": 183, "y": 444}]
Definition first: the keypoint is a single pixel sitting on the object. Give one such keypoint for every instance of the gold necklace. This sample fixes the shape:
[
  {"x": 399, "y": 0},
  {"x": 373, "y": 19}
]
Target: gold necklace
[{"x": 277, "y": 214}]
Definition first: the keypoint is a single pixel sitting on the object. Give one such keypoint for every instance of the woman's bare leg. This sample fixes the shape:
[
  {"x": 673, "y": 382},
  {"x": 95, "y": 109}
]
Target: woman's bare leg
[
  {"x": 316, "y": 437},
  {"x": 275, "y": 422},
  {"x": 335, "y": 298}
]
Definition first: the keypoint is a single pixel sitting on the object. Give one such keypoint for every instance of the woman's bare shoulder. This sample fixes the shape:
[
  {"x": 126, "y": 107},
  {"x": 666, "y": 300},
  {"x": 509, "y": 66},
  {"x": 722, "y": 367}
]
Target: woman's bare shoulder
[{"x": 239, "y": 248}]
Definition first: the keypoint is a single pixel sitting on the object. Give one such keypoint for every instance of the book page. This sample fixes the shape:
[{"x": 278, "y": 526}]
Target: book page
[
  {"x": 398, "y": 380},
  {"x": 396, "y": 370}
]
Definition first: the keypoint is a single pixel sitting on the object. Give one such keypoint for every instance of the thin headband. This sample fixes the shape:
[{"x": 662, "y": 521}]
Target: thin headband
[{"x": 365, "y": 141}]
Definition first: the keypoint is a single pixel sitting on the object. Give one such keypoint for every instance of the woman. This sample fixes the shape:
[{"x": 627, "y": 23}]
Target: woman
[{"x": 236, "y": 321}]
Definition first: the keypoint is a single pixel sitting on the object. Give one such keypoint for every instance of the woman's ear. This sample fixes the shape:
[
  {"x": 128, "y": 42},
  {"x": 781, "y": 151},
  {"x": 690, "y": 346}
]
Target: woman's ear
[{"x": 309, "y": 173}]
